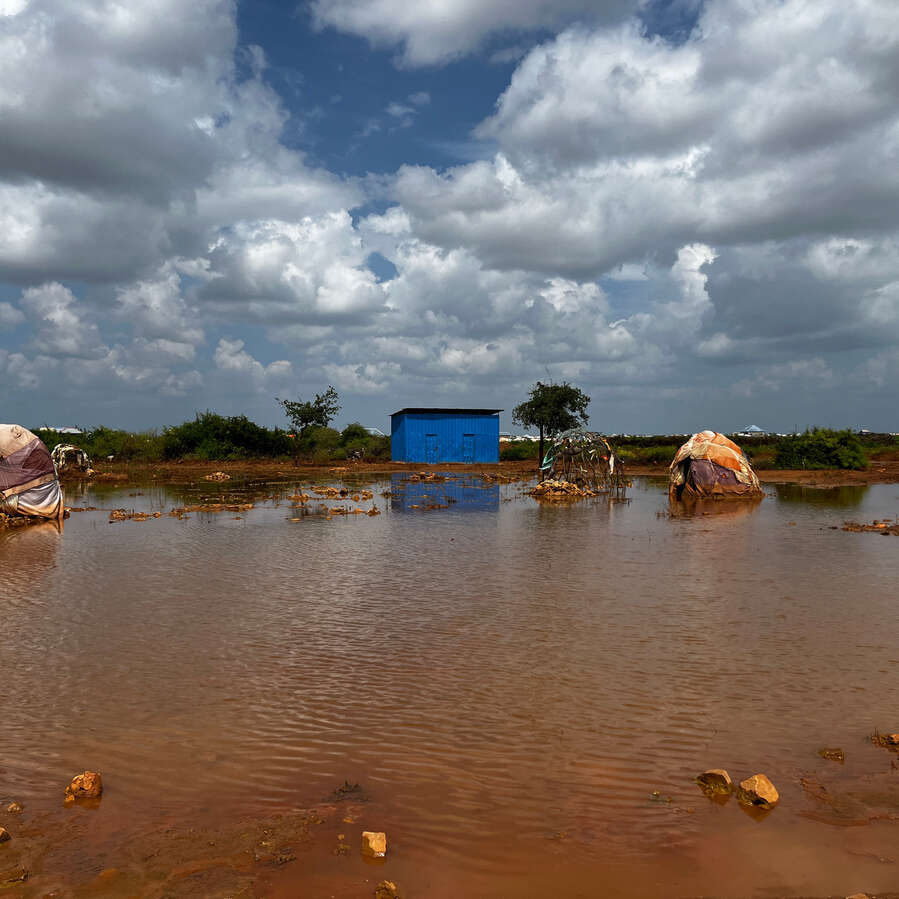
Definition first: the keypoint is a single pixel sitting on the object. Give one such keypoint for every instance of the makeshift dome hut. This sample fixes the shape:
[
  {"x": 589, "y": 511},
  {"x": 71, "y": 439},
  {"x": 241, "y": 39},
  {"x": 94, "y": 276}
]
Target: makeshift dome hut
[
  {"x": 710, "y": 466},
  {"x": 28, "y": 483},
  {"x": 585, "y": 459},
  {"x": 70, "y": 459}
]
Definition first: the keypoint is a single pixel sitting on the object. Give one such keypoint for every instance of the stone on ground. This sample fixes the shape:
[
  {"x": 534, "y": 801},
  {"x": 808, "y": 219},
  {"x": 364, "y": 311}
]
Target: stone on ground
[
  {"x": 374, "y": 844},
  {"x": 88, "y": 785},
  {"x": 758, "y": 790},
  {"x": 715, "y": 779}
]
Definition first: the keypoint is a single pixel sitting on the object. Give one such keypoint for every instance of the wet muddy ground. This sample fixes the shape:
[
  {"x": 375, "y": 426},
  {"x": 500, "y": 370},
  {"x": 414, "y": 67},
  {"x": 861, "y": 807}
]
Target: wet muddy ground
[{"x": 518, "y": 694}]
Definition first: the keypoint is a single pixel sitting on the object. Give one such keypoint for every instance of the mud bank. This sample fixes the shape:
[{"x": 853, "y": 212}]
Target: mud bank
[
  {"x": 886, "y": 472},
  {"x": 877, "y": 473}
]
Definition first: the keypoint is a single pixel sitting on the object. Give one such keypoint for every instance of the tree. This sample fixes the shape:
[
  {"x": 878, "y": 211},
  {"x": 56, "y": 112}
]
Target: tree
[
  {"x": 552, "y": 408},
  {"x": 302, "y": 415}
]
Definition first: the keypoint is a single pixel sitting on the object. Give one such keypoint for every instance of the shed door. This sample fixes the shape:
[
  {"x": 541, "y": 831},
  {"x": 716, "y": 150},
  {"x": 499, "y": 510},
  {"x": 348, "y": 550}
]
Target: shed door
[
  {"x": 468, "y": 447},
  {"x": 431, "y": 449}
]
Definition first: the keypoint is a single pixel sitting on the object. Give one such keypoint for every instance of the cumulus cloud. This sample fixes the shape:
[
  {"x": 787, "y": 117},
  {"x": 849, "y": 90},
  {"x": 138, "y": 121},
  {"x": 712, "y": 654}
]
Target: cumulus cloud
[
  {"x": 156, "y": 309},
  {"x": 433, "y": 33},
  {"x": 279, "y": 272},
  {"x": 232, "y": 359},
  {"x": 657, "y": 213},
  {"x": 10, "y": 316},
  {"x": 132, "y": 131},
  {"x": 60, "y": 327}
]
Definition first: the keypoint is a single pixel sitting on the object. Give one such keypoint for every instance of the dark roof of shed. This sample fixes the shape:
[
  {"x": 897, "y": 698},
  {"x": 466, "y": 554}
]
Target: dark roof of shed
[{"x": 429, "y": 410}]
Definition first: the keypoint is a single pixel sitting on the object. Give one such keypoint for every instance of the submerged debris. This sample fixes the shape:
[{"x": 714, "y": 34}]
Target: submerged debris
[
  {"x": 182, "y": 511},
  {"x": 17, "y": 874},
  {"x": 558, "y": 491},
  {"x": 888, "y": 527},
  {"x": 833, "y": 755},
  {"x": 217, "y": 476},
  {"x": 890, "y": 741},
  {"x": 125, "y": 515}
]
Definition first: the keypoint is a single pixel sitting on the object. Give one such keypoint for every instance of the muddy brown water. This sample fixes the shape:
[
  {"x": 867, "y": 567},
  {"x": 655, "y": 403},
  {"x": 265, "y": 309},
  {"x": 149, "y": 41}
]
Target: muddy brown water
[{"x": 507, "y": 682}]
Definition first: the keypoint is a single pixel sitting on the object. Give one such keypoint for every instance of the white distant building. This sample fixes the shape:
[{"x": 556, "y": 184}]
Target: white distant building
[
  {"x": 67, "y": 430},
  {"x": 752, "y": 431}
]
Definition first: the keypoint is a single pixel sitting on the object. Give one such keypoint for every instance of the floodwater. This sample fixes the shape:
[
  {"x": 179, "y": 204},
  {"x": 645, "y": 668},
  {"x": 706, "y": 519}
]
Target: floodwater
[{"x": 508, "y": 683}]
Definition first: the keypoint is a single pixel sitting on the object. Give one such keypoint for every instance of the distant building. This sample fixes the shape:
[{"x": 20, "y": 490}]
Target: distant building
[
  {"x": 752, "y": 431},
  {"x": 376, "y": 432},
  {"x": 67, "y": 430},
  {"x": 433, "y": 435}
]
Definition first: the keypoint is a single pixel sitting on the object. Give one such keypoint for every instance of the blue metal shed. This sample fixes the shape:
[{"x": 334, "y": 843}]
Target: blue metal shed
[{"x": 444, "y": 435}]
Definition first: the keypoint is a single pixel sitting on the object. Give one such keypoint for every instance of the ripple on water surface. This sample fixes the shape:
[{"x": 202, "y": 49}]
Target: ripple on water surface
[{"x": 499, "y": 675}]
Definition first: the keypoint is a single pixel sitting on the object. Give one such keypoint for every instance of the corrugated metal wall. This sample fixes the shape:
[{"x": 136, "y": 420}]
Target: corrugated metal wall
[{"x": 444, "y": 437}]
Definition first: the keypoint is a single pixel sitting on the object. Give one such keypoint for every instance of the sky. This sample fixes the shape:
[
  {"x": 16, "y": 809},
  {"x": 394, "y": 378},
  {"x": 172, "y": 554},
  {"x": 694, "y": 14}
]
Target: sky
[{"x": 688, "y": 209}]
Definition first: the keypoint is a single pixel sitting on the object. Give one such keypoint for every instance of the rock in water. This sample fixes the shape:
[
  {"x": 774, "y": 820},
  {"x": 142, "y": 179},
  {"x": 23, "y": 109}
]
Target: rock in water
[
  {"x": 88, "y": 785},
  {"x": 4, "y": 835},
  {"x": 386, "y": 889},
  {"x": 374, "y": 844},
  {"x": 15, "y": 808},
  {"x": 758, "y": 790},
  {"x": 715, "y": 780}
]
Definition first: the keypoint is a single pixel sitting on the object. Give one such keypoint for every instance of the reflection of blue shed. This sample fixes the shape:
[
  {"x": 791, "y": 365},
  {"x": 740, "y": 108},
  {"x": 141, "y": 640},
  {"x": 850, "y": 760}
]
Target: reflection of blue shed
[
  {"x": 445, "y": 435},
  {"x": 457, "y": 493}
]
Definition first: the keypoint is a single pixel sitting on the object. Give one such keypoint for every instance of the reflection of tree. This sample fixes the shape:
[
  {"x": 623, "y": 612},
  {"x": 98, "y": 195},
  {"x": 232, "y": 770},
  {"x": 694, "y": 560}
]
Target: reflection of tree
[{"x": 838, "y": 497}]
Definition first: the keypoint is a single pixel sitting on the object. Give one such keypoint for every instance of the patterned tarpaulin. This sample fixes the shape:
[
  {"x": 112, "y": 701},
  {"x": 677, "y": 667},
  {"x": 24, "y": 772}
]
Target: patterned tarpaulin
[
  {"x": 28, "y": 483},
  {"x": 711, "y": 465}
]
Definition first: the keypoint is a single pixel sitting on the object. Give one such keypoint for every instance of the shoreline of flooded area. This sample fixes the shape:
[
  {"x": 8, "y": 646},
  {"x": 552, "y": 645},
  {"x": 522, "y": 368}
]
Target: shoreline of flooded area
[{"x": 518, "y": 694}]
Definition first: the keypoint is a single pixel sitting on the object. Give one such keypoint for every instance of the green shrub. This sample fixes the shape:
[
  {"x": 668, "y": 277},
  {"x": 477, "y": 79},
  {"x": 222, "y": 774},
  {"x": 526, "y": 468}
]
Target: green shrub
[
  {"x": 319, "y": 444},
  {"x": 821, "y": 448},
  {"x": 211, "y": 437},
  {"x": 519, "y": 451}
]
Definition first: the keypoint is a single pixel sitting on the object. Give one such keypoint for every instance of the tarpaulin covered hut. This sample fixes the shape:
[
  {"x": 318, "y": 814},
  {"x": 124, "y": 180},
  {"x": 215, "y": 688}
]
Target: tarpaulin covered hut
[
  {"x": 28, "y": 483},
  {"x": 709, "y": 465}
]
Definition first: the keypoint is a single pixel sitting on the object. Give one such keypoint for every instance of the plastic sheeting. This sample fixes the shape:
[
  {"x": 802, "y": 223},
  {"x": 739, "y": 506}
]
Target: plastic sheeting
[
  {"x": 711, "y": 465},
  {"x": 28, "y": 483}
]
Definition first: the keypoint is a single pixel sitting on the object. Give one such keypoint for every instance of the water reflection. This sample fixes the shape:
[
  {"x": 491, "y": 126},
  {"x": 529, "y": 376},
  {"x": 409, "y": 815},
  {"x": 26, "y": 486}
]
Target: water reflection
[
  {"x": 686, "y": 508},
  {"x": 465, "y": 493},
  {"x": 839, "y": 497},
  {"x": 33, "y": 547}
]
